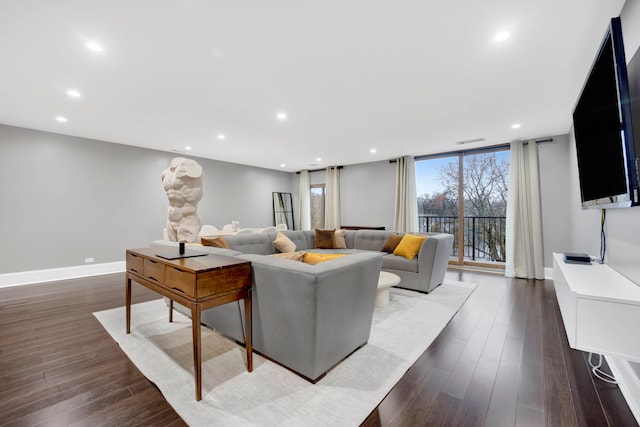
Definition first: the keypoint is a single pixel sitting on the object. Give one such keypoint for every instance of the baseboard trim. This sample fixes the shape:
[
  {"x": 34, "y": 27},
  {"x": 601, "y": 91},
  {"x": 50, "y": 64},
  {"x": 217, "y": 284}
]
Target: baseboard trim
[
  {"x": 548, "y": 273},
  {"x": 64, "y": 273}
]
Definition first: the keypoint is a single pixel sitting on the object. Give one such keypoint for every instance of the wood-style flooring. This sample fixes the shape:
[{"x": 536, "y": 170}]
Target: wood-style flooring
[{"x": 503, "y": 360}]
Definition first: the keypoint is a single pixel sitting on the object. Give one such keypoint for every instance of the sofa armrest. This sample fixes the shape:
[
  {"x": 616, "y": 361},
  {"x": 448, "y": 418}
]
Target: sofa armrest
[{"x": 433, "y": 258}]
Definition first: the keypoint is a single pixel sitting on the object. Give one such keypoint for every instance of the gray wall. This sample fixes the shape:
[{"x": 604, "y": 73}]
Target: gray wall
[
  {"x": 65, "y": 199},
  {"x": 553, "y": 160},
  {"x": 367, "y": 193},
  {"x": 622, "y": 225}
]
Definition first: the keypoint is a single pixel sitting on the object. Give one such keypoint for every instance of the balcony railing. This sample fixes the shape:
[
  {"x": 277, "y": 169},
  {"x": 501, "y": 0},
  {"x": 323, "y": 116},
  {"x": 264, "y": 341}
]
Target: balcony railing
[{"x": 484, "y": 236}]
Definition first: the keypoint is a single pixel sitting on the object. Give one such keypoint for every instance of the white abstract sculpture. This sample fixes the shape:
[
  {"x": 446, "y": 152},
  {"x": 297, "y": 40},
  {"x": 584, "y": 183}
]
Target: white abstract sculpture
[{"x": 183, "y": 183}]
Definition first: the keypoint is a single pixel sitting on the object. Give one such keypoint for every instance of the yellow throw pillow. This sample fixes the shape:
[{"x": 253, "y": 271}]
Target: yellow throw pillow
[
  {"x": 284, "y": 244},
  {"x": 314, "y": 258},
  {"x": 339, "y": 239},
  {"x": 216, "y": 242},
  {"x": 409, "y": 246}
]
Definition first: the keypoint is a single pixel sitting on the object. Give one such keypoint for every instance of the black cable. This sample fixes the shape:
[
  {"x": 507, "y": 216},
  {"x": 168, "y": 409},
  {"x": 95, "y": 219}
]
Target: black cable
[{"x": 603, "y": 237}]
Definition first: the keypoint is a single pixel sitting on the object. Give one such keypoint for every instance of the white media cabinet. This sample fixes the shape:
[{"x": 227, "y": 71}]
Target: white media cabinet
[{"x": 601, "y": 311}]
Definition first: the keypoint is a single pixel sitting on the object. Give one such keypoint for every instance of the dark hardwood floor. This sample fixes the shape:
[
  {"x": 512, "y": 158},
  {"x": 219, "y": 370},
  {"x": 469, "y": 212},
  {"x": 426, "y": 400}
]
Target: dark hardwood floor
[{"x": 502, "y": 360}]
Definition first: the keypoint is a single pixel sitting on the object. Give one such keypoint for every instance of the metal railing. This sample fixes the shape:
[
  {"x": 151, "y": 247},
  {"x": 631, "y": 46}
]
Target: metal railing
[{"x": 484, "y": 236}]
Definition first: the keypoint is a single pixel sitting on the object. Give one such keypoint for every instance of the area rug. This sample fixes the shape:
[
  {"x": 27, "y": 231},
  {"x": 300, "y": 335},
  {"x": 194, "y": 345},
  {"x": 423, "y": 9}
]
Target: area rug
[{"x": 272, "y": 395}]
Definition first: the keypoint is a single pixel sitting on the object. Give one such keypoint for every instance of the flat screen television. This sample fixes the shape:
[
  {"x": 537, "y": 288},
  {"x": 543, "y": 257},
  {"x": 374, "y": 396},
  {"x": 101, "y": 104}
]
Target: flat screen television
[{"x": 602, "y": 122}]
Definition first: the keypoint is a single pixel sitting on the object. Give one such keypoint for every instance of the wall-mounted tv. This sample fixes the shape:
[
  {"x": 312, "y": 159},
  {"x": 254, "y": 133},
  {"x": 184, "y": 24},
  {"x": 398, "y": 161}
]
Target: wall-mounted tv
[{"x": 602, "y": 122}]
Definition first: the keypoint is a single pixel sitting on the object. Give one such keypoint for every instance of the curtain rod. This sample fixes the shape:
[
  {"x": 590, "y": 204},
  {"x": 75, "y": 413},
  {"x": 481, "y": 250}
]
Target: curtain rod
[
  {"x": 320, "y": 170},
  {"x": 488, "y": 148}
]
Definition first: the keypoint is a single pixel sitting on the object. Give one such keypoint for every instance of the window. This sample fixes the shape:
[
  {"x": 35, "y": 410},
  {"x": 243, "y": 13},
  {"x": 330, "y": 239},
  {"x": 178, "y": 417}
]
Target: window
[
  {"x": 317, "y": 205},
  {"x": 465, "y": 194}
]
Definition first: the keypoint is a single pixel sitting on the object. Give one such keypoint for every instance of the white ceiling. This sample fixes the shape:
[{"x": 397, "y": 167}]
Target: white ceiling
[{"x": 406, "y": 77}]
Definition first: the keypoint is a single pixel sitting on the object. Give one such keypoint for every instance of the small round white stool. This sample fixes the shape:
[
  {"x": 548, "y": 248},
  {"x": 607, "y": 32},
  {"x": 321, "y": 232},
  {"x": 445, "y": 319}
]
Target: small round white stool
[{"x": 385, "y": 281}]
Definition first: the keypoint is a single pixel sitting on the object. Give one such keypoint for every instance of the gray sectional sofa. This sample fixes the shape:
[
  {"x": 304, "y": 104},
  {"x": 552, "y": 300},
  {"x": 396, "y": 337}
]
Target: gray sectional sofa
[{"x": 310, "y": 317}]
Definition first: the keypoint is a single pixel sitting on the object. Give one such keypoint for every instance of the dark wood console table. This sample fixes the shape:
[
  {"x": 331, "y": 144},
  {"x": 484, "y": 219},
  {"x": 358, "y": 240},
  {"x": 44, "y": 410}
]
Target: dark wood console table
[{"x": 198, "y": 283}]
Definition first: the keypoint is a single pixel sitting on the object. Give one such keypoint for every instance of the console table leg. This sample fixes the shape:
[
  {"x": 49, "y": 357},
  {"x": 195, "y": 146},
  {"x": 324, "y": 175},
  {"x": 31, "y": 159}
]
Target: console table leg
[
  {"x": 128, "y": 302},
  {"x": 249, "y": 330},
  {"x": 170, "y": 310},
  {"x": 197, "y": 353}
]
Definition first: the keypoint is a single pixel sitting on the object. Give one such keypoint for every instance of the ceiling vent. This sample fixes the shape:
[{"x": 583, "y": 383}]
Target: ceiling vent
[{"x": 469, "y": 141}]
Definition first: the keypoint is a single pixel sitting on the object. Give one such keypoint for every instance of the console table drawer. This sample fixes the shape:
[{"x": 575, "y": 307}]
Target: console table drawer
[
  {"x": 224, "y": 280},
  {"x": 154, "y": 270},
  {"x": 135, "y": 263},
  {"x": 182, "y": 280}
]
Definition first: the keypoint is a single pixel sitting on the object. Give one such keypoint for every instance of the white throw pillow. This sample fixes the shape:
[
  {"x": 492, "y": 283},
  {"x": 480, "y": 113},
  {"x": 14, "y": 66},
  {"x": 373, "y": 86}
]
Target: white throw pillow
[
  {"x": 339, "y": 239},
  {"x": 284, "y": 244}
]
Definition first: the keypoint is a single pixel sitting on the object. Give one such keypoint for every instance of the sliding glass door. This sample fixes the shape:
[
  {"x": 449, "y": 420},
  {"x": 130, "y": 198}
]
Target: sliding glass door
[{"x": 465, "y": 194}]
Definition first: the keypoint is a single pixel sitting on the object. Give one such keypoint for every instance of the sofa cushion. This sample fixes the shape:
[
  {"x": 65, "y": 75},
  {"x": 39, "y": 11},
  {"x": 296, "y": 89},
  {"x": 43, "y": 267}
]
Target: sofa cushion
[
  {"x": 295, "y": 256},
  {"x": 337, "y": 251},
  {"x": 283, "y": 243},
  {"x": 392, "y": 243},
  {"x": 409, "y": 246},
  {"x": 216, "y": 242},
  {"x": 349, "y": 237},
  {"x": 316, "y": 258},
  {"x": 325, "y": 239},
  {"x": 395, "y": 262},
  {"x": 370, "y": 240},
  {"x": 253, "y": 243}
]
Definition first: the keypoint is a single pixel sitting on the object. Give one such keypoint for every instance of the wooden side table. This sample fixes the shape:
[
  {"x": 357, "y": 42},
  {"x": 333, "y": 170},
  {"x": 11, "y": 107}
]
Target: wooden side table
[{"x": 198, "y": 283}]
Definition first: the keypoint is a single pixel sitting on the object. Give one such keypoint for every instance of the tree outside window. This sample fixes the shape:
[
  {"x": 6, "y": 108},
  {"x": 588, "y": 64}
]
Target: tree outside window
[{"x": 317, "y": 206}]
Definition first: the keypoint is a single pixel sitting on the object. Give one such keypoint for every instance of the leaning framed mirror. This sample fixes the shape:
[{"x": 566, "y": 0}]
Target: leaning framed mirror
[{"x": 283, "y": 209}]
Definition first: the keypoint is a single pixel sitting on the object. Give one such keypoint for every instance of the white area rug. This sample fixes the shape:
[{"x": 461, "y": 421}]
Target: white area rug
[{"x": 272, "y": 395}]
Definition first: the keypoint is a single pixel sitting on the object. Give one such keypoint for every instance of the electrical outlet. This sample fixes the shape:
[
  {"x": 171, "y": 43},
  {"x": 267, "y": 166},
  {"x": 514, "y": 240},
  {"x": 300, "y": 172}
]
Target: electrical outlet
[{"x": 88, "y": 259}]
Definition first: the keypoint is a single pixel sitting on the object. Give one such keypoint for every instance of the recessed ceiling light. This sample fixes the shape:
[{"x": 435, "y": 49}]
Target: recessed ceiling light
[
  {"x": 187, "y": 148},
  {"x": 94, "y": 47},
  {"x": 502, "y": 36},
  {"x": 373, "y": 151},
  {"x": 283, "y": 165},
  {"x": 221, "y": 136},
  {"x": 515, "y": 126},
  {"x": 73, "y": 93},
  {"x": 318, "y": 159},
  {"x": 62, "y": 119},
  {"x": 282, "y": 116}
]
